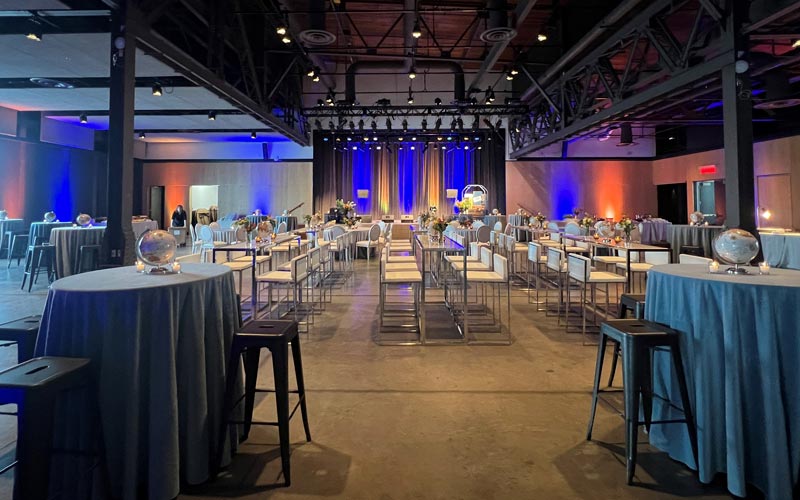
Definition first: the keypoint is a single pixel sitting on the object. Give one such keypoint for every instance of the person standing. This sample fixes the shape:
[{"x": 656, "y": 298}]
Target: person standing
[{"x": 179, "y": 217}]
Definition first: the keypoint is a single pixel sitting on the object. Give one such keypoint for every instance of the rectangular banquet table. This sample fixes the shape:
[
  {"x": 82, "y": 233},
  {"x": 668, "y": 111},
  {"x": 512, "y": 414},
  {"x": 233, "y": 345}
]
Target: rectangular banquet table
[
  {"x": 781, "y": 249},
  {"x": 159, "y": 346},
  {"x": 740, "y": 343},
  {"x": 68, "y": 242},
  {"x": 654, "y": 230}
]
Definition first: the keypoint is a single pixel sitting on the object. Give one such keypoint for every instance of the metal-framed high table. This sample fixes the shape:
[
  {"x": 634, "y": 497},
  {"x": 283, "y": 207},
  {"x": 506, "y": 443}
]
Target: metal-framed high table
[
  {"x": 253, "y": 249},
  {"x": 430, "y": 252},
  {"x": 628, "y": 248}
]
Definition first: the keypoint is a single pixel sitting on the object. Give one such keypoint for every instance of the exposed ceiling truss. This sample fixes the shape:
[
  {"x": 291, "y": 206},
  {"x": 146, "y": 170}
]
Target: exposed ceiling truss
[{"x": 663, "y": 64}]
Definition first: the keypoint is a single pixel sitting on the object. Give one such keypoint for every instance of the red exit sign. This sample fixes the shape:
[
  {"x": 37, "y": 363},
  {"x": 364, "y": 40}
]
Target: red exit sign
[{"x": 708, "y": 169}]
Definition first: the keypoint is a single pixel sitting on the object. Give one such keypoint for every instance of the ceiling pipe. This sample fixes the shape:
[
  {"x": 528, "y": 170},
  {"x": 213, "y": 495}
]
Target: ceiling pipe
[
  {"x": 325, "y": 79},
  {"x": 394, "y": 67},
  {"x": 587, "y": 41},
  {"x": 521, "y": 12}
]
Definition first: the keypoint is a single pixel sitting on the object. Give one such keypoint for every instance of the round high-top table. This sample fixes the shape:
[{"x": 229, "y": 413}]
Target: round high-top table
[
  {"x": 141, "y": 226},
  {"x": 740, "y": 343},
  {"x": 68, "y": 242},
  {"x": 699, "y": 236},
  {"x": 781, "y": 249},
  {"x": 42, "y": 230},
  {"x": 159, "y": 347}
]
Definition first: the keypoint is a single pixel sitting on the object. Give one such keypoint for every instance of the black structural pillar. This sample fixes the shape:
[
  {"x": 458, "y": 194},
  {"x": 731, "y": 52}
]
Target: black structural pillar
[
  {"x": 118, "y": 246},
  {"x": 737, "y": 108}
]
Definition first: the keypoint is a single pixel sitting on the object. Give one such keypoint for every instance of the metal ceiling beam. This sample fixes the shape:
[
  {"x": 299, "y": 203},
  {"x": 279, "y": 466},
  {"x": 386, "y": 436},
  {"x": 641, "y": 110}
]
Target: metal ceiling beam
[
  {"x": 164, "y": 50},
  {"x": 790, "y": 7},
  {"x": 415, "y": 110},
  {"x": 151, "y": 112},
  {"x": 55, "y": 25},
  {"x": 521, "y": 12},
  {"x": 676, "y": 82},
  {"x": 247, "y": 131},
  {"x": 96, "y": 82}
]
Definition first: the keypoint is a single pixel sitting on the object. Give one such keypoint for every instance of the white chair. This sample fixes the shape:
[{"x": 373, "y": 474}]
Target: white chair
[
  {"x": 498, "y": 279},
  {"x": 556, "y": 263},
  {"x": 572, "y": 228},
  {"x": 372, "y": 240},
  {"x": 498, "y": 227},
  {"x": 196, "y": 241},
  {"x": 685, "y": 258},
  {"x": 536, "y": 259},
  {"x": 639, "y": 270},
  {"x": 479, "y": 224},
  {"x": 580, "y": 271},
  {"x": 215, "y": 226},
  {"x": 404, "y": 276},
  {"x": 281, "y": 228},
  {"x": 515, "y": 252},
  {"x": 479, "y": 259},
  {"x": 239, "y": 267},
  {"x": 208, "y": 244},
  {"x": 293, "y": 280}
]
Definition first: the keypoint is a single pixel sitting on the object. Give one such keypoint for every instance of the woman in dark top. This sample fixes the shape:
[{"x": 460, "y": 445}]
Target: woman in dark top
[{"x": 179, "y": 217}]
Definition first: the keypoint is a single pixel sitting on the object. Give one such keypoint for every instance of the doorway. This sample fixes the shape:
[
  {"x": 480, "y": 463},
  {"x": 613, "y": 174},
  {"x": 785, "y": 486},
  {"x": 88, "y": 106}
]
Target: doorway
[
  {"x": 203, "y": 203},
  {"x": 156, "y": 209},
  {"x": 672, "y": 203}
]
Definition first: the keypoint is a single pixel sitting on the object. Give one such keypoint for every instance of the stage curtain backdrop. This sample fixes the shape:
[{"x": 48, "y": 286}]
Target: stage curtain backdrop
[{"x": 405, "y": 181}]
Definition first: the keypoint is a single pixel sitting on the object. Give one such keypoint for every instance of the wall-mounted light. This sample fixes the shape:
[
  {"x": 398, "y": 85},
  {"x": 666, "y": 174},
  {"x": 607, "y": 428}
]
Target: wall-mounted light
[
  {"x": 83, "y": 118},
  {"x": 253, "y": 135},
  {"x": 157, "y": 90},
  {"x": 142, "y": 135},
  {"x": 764, "y": 213},
  {"x": 212, "y": 115}
]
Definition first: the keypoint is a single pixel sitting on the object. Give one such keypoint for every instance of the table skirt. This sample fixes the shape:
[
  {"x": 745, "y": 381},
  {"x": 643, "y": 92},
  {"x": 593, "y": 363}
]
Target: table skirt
[
  {"x": 781, "y": 250},
  {"x": 159, "y": 355},
  {"x": 741, "y": 350}
]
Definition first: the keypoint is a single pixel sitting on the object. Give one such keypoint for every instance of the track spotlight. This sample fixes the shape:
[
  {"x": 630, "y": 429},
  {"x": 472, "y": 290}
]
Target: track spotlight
[
  {"x": 424, "y": 124},
  {"x": 330, "y": 97},
  {"x": 281, "y": 29},
  {"x": 413, "y": 148},
  {"x": 437, "y": 101},
  {"x": 541, "y": 37},
  {"x": 36, "y": 36},
  {"x": 514, "y": 71},
  {"x": 373, "y": 125},
  {"x": 360, "y": 124},
  {"x": 330, "y": 125},
  {"x": 253, "y": 135},
  {"x": 453, "y": 124},
  {"x": 355, "y": 148},
  {"x": 412, "y": 73},
  {"x": 490, "y": 95},
  {"x": 320, "y": 102},
  {"x": 476, "y": 123},
  {"x": 438, "y": 124},
  {"x": 414, "y": 138},
  {"x": 142, "y": 135},
  {"x": 440, "y": 138},
  {"x": 351, "y": 125},
  {"x": 474, "y": 101},
  {"x": 318, "y": 124},
  {"x": 315, "y": 79},
  {"x": 405, "y": 126},
  {"x": 400, "y": 138},
  {"x": 509, "y": 76},
  {"x": 410, "y": 99},
  {"x": 286, "y": 39},
  {"x": 388, "y": 124},
  {"x": 157, "y": 90},
  {"x": 416, "y": 32},
  {"x": 212, "y": 115},
  {"x": 378, "y": 147},
  {"x": 83, "y": 118},
  {"x": 374, "y": 137},
  {"x": 311, "y": 73},
  {"x": 460, "y": 123}
]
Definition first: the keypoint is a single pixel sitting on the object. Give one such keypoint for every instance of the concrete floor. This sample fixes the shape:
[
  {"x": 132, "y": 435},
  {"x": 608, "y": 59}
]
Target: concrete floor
[{"x": 459, "y": 422}]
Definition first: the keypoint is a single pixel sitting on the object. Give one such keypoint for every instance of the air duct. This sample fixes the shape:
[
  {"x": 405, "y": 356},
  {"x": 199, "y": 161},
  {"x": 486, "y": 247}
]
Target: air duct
[
  {"x": 317, "y": 35},
  {"x": 459, "y": 92},
  {"x": 497, "y": 29}
]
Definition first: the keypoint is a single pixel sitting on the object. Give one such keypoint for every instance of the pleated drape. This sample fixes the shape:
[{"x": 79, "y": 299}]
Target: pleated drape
[{"x": 405, "y": 181}]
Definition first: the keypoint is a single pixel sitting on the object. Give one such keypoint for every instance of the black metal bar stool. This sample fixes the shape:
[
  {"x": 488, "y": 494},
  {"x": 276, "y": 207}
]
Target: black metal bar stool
[
  {"x": 23, "y": 332},
  {"x": 88, "y": 258},
  {"x": 627, "y": 302},
  {"x": 638, "y": 338},
  {"x": 17, "y": 244},
  {"x": 37, "y": 257},
  {"x": 275, "y": 335},
  {"x": 34, "y": 386}
]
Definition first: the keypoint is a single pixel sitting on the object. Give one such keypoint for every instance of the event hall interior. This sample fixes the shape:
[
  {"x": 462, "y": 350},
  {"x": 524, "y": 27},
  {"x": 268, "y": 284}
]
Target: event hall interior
[{"x": 531, "y": 249}]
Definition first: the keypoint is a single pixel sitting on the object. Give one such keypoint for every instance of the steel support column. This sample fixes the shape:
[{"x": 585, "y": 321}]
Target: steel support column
[
  {"x": 118, "y": 244},
  {"x": 737, "y": 111}
]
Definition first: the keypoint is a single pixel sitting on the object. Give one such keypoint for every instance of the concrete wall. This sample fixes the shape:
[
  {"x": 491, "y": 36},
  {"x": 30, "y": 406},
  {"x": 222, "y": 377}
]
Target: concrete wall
[
  {"x": 603, "y": 187},
  {"x": 243, "y": 186}
]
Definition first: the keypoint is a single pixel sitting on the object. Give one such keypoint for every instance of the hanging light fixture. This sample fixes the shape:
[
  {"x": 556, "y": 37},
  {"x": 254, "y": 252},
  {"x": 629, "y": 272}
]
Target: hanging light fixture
[
  {"x": 253, "y": 135},
  {"x": 410, "y": 99},
  {"x": 330, "y": 97},
  {"x": 311, "y": 73},
  {"x": 286, "y": 39},
  {"x": 157, "y": 90},
  {"x": 490, "y": 95},
  {"x": 142, "y": 135},
  {"x": 416, "y": 32},
  {"x": 424, "y": 124},
  {"x": 514, "y": 71},
  {"x": 412, "y": 73},
  {"x": 212, "y": 115},
  {"x": 83, "y": 118},
  {"x": 437, "y": 101},
  {"x": 34, "y": 35},
  {"x": 281, "y": 29},
  {"x": 541, "y": 37},
  {"x": 315, "y": 79}
]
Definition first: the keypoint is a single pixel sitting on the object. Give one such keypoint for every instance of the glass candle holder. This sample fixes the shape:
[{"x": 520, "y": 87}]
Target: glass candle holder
[
  {"x": 763, "y": 267},
  {"x": 176, "y": 267},
  {"x": 713, "y": 266},
  {"x": 139, "y": 266}
]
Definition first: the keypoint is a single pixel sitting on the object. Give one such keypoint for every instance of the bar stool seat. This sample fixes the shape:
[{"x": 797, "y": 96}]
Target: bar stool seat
[
  {"x": 23, "y": 331},
  {"x": 637, "y": 338},
  {"x": 38, "y": 257},
  {"x": 34, "y": 386},
  {"x": 277, "y": 336}
]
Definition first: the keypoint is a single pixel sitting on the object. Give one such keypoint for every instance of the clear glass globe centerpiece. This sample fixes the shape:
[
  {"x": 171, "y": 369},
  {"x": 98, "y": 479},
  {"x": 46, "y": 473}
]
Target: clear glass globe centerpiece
[
  {"x": 49, "y": 216},
  {"x": 696, "y": 218},
  {"x": 156, "y": 248},
  {"x": 605, "y": 229},
  {"x": 84, "y": 220},
  {"x": 737, "y": 247}
]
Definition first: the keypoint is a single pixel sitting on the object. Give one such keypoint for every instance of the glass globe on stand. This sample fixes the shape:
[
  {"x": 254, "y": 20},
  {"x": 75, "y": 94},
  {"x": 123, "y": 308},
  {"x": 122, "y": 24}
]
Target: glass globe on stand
[
  {"x": 157, "y": 249},
  {"x": 737, "y": 247}
]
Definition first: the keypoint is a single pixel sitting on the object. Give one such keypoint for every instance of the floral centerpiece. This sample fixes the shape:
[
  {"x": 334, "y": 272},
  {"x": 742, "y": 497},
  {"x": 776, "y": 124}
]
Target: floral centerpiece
[
  {"x": 586, "y": 222},
  {"x": 464, "y": 205},
  {"x": 350, "y": 221},
  {"x": 626, "y": 225},
  {"x": 307, "y": 218},
  {"x": 249, "y": 227},
  {"x": 437, "y": 227},
  {"x": 345, "y": 206},
  {"x": 537, "y": 220},
  {"x": 423, "y": 219}
]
